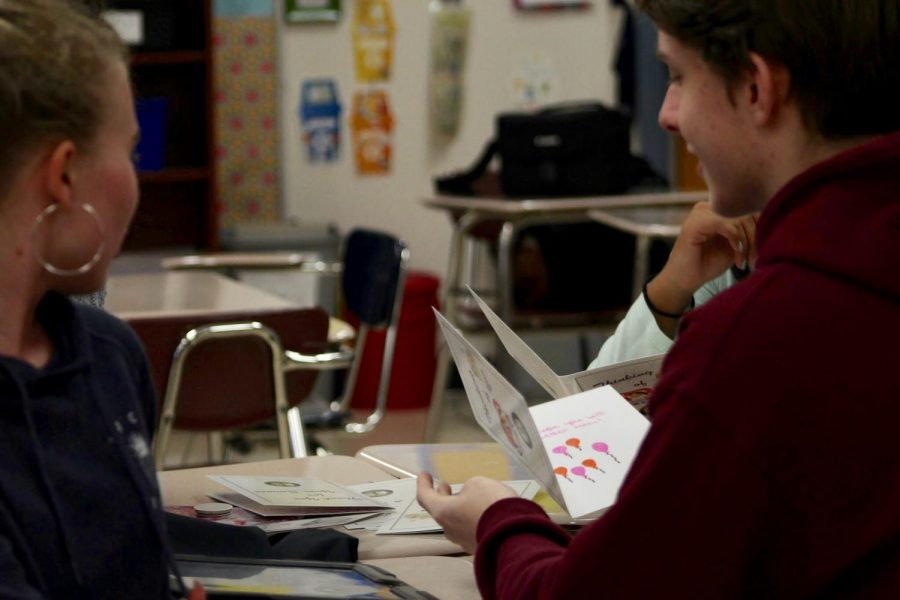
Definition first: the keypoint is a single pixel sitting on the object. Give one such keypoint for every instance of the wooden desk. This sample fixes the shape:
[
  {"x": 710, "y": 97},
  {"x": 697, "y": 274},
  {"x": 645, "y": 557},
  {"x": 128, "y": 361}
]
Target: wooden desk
[
  {"x": 191, "y": 486},
  {"x": 456, "y": 463},
  {"x": 198, "y": 292},
  {"x": 518, "y": 214},
  {"x": 168, "y": 294},
  {"x": 445, "y": 577},
  {"x": 234, "y": 261},
  {"x": 467, "y": 213}
]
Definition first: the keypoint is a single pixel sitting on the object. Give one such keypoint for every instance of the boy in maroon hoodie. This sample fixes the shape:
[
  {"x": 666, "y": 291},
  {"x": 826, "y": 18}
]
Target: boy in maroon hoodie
[{"x": 769, "y": 469}]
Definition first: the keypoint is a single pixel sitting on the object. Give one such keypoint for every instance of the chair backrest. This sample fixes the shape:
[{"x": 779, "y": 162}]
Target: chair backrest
[
  {"x": 228, "y": 383},
  {"x": 372, "y": 275}
]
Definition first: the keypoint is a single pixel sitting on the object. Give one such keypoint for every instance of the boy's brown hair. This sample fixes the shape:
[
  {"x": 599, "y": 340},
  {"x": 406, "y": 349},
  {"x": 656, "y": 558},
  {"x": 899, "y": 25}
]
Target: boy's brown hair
[{"x": 843, "y": 55}]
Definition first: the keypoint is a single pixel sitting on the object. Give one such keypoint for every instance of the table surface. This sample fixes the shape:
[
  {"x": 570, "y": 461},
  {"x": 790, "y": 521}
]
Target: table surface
[
  {"x": 507, "y": 207},
  {"x": 167, "y": 294},
  {"x": 456, "y": 463},
  {"x": 447, "y": 578},
  {"x": 192, "y": 486},
  {"x": 237, "y": 260},
  {"x": 654, "y": 221},
  {"x": 176, "y": 293}
]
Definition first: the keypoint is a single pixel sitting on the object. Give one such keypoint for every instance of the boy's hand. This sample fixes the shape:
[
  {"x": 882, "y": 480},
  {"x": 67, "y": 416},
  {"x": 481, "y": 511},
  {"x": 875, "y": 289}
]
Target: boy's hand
[{"x": 459, "y": 514}]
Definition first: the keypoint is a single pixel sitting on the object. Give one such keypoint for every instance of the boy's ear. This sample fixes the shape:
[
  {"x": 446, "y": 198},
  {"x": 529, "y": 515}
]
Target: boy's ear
[
  {"x": 58, "y": 173},
  {"x": 769, "y": 86}
]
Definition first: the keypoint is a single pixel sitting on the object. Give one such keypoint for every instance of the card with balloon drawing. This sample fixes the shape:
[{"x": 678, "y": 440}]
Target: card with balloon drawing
[{"x": 587, "y": 440}]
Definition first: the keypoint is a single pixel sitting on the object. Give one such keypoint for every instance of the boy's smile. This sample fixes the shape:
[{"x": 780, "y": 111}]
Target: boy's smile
[{"x": 716, "y": 126}]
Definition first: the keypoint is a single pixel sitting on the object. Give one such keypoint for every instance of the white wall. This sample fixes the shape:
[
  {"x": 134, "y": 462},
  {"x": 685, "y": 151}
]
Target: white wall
[{"x": 579, "y": 44}]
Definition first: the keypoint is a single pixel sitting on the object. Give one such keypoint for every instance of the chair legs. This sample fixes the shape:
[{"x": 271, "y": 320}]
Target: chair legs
[
  {"x": 297, "y": 434},
  {"x": 291, "y": 437}
]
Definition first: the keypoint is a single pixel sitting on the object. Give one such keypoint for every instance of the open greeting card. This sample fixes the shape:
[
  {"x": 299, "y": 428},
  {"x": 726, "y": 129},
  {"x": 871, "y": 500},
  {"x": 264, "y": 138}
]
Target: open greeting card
[
  {"x": 579, "y": 446},
  {"x": 633, "y": 379}
]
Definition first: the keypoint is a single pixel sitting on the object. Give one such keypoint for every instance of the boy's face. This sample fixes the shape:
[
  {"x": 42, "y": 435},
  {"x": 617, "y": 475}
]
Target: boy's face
[{"x": 716, "y": 128}]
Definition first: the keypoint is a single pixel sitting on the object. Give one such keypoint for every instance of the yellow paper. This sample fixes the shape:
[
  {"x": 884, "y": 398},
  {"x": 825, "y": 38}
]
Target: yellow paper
[{"x": 373, "y": 40}]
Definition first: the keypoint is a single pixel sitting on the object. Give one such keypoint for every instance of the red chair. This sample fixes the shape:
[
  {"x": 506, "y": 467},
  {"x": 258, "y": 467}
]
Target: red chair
[{"x": 232, "y": 371}]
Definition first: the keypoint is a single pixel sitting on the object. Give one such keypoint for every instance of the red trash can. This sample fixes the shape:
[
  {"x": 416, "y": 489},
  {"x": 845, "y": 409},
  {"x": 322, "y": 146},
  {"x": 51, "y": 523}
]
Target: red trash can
[{"x": 415, "y": 357}]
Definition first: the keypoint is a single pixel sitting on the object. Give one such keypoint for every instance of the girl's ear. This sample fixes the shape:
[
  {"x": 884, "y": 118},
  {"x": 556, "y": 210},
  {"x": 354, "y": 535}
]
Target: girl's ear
[
  {"x": 58, "y": 172},
  {"x": 769, "y": 86}
]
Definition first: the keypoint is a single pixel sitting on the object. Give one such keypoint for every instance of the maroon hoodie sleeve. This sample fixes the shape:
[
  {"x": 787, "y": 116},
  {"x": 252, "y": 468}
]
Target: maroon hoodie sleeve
[{"x": 661, "y": 536}]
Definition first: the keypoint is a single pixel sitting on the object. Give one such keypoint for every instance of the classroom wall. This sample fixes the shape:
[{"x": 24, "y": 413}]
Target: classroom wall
[{"x": 579, "y": 46}]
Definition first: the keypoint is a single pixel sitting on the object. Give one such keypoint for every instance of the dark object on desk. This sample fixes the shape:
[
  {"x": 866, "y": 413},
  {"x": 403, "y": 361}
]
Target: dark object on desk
[
  {"x": 564, "y": 150},
  {"x": 196, "y": 536},
  {"x": 302, "y": 579}
]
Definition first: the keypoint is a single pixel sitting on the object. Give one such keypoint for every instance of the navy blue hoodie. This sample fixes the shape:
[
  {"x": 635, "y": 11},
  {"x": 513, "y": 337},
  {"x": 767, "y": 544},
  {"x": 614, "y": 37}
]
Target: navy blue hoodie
[{"x": 80, "y": 514}]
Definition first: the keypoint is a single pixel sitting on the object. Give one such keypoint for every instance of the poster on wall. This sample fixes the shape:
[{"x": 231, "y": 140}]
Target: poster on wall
[
  {"x": 320, "y": 120},
  {"x": 312, "y": 11},
  {"x": 550, "y": 4},
  {"x": 534, "y": 81},
  {"x": 372, "y": 126},
  {"x": 449, "y": 40},
  {"x": 373, "y": 40}
]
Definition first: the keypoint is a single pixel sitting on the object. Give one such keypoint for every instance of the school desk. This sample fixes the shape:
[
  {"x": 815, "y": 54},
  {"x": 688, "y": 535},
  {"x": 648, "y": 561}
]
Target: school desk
[
  {"x": 471, "y": 214},
  {"x": 191, "y": 486},
  {"x": 455, "y": 463}
]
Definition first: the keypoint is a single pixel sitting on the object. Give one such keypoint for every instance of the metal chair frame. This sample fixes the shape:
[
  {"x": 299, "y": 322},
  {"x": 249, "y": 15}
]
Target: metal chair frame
[
  {"x": 292, "y": 440},
  {"x": 341, "y": 406}
]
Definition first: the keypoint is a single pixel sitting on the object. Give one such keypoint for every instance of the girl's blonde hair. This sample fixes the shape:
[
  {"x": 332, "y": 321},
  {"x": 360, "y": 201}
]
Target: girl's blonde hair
[{"x": 54, "y": 58}]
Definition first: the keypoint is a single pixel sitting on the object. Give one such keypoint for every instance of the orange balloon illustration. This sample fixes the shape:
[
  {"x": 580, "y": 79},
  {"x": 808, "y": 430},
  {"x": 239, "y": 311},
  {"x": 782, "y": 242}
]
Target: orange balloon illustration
[
  {"x": 592, "y": 464},
  {"x": 562, "y": 472},
  {"x": 574, "y": 442}
]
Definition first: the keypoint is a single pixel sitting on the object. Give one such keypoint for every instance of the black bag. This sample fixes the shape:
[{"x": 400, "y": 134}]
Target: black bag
[{"x": 563, "y": 150}]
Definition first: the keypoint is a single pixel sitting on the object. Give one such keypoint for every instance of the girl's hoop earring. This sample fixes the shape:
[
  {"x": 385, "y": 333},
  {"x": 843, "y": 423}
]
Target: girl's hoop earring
[{"x": 47, "y": 214}]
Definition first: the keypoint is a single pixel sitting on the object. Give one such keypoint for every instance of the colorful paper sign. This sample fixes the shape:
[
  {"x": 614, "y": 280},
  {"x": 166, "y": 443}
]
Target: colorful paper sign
[
  {"x": 449, "y": 39},
  {"x": 534, "y": 82},
  {"x": 320, "y": 113},
  {"x": 312, "y": 11},
  {"x": 372, "y": 125},
  {"x": 373, "y": 40}
]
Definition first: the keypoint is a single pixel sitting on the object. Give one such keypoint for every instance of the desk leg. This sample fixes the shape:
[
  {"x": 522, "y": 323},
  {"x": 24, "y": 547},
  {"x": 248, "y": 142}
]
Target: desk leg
[
  {"x": 641, "y": 264},
  {"x": 298, "y": 442},
  {"x": 436, "y": 408},
  {"x": 448, "y": 307},
  {"x": 504, "y": 271}
]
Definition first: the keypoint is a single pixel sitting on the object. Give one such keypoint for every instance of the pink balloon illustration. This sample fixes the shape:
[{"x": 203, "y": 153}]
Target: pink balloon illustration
[
  {"x": 562, "y": 472},
  {"x": 562, "y": 450},
  {"x": 592, "y": 464},
  {"x": 603, "y": 448},
  {"x": 581, "y": 473},
  {"x": 575, "y": 443}
]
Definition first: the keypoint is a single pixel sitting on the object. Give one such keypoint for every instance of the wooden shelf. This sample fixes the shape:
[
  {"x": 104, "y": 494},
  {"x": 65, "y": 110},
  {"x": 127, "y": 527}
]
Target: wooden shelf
[
  {"x": 174, "y": 175},
  {"x": 178, "y": 203}
]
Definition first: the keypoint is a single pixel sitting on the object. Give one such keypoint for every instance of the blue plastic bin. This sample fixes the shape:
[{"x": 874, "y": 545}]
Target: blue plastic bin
[{"x": 151, "y": 116}]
